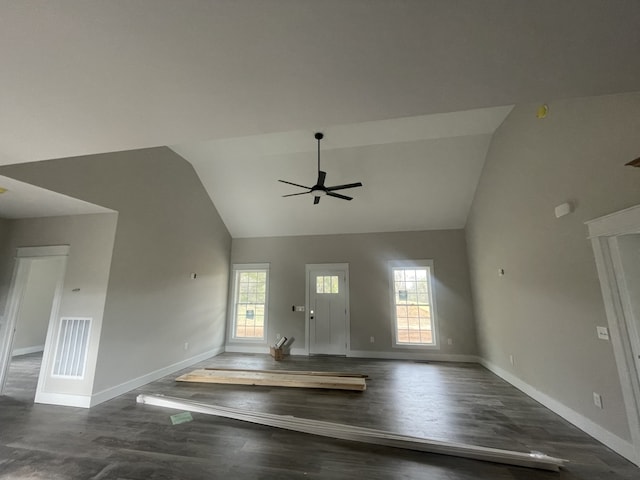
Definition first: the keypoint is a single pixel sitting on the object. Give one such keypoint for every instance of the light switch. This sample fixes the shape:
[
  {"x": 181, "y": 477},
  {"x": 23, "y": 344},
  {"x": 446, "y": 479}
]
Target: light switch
[{"x": 603, "y": 333}]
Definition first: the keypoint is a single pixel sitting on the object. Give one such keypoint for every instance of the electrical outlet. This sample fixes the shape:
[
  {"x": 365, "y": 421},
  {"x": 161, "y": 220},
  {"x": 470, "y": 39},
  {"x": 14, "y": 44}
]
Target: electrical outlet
[
  {"x": 450, "y": 341},
  {"x": 603, "y": 333},
  {"x": 186, "y": 346},
  {"x": 597, "y": 400},
  {"x": 278, "y": 336},
  {"x": 512, "y": 360},
  {"x": 372, "y": 339}
]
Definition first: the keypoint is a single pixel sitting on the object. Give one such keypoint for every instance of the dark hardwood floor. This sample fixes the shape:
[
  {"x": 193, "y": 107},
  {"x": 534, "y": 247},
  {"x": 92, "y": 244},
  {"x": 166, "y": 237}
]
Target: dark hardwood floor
[{"x": 122, "y": 440}]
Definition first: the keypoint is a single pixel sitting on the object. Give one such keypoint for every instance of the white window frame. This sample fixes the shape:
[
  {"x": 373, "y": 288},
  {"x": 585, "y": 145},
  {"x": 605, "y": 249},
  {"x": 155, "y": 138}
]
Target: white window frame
[
  {"x": 236, "y": 269},
  {"x": 428, "y": 264}
]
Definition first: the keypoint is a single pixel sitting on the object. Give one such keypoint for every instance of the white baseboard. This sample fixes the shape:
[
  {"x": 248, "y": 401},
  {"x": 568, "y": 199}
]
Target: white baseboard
[
  {"x": 27, "y": 350},
  {"x": 64, "y": 399},
  {"x": 109, "y": 393},
  {"x": 615, "y": 443},
  {"x": 435, "y": 357},
  {"x": 260, "y": 349},
  {"x": 246, "y": 348},
  {"x": 428, "y": 356}
]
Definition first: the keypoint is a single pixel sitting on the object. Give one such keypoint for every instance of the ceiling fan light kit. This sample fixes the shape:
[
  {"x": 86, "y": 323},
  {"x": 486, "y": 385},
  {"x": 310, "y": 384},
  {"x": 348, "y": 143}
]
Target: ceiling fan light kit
[{"x": 319, "y": 189}]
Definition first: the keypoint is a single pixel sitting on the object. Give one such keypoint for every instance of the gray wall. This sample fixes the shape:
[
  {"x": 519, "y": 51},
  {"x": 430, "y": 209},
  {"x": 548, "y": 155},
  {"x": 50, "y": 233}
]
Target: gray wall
[
  {"x": 370, "y": 300},
  {"x": 167, "y": 228},
  {"x": 545, "y": 309}
]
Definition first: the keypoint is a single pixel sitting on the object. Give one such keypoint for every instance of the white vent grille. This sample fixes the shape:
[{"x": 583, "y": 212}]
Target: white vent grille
[{"x": 71, "y": 349}]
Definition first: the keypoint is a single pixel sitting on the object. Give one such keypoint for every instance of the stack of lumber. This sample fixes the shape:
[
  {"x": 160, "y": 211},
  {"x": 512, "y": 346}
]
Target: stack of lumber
[
  {"x": 275, "y": 378},
  {"x": 361, "y": 434}
]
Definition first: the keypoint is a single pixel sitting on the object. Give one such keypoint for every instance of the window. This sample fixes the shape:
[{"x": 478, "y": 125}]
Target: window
[
  {"x": 250, "y": 293},
  {"x": 327, "y": 284},
  {"x": 414, "y": 314}
]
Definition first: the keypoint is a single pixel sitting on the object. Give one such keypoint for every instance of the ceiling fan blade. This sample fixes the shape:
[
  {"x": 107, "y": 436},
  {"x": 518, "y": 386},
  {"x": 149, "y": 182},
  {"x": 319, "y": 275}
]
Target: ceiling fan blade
[
  {"x": 337, "y": 195},
  {"x": 316, "y": 200},
  {"x": 294, "y": 194},
  {"x": 321, "y": 176},
  {"x": 341, "y": 187},
  {"x": 295, "y": 184}
]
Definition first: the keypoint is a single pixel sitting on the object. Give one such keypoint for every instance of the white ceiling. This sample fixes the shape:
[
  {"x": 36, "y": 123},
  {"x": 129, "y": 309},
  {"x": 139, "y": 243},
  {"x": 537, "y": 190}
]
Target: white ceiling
[
  {"x": 81, "y": 77},
  {"x": 417, "y": 173},
  {"x": 21, "y": 200}
]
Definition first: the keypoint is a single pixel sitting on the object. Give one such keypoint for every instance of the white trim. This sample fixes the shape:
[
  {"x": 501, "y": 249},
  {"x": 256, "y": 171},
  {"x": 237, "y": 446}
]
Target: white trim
[
  {"x": 246, "y": 348},
  {"x": 63, "y": 399},
  {"x": 617, "y": 444},
  {"x": 603, "y": 232},
  {"x": 617, "y": 223},
  {"x": 428, "y": 263},
  {"x": 27, "y": 350},
  {"x": 360, "y": 434},
  {"x": 428, "y": 356},
  {"x": 112, "y": 392},
  {"x": 261, "y": 349},
  {"x": 44, "y": 251}
]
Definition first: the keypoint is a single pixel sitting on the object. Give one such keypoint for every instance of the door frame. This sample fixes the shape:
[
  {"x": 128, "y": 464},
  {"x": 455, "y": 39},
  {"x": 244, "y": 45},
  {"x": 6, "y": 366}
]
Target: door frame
[
  {"x": 603, "y": 233},
  {"x": 309, "y": 267},
  {"x": 22, "y": 265}
]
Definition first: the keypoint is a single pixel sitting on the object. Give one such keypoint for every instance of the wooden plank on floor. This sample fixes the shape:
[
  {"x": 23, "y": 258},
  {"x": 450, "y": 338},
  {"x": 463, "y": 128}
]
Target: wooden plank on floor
[
  {"x": 294, "y": 372},
  {"x": 276, "y": 379},
  {"x": 361, "y": 434}
]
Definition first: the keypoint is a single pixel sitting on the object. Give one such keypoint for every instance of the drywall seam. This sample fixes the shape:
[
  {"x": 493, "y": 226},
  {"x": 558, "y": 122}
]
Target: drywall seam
[
  {"x": 617, "y": 444},
  {"x": 111, "y": 392}
]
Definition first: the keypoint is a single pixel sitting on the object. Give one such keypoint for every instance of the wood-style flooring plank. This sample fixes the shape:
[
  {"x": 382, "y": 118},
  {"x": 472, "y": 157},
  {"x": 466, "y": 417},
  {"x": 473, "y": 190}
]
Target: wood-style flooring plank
[{"x": 273, "y": 379}]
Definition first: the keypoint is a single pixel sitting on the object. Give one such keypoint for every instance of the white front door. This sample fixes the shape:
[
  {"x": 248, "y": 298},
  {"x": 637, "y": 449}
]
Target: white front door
[{"x": 328, "y": 309}]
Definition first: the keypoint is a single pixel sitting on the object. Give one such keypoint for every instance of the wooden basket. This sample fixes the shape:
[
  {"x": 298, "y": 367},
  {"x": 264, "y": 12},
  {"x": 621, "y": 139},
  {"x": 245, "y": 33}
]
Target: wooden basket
[{"x": 276, "y": 353}]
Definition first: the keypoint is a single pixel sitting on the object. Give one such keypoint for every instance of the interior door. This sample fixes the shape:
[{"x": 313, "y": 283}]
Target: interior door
[{"x": 328, "y": 307}]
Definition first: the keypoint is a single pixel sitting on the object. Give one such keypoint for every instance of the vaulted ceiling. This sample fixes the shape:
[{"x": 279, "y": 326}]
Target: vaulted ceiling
[{"x": 211, "y": 78}]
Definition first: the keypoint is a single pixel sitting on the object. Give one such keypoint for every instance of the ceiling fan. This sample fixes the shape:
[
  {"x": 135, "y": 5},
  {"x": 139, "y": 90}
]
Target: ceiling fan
[{"x": 319, "y": 189}]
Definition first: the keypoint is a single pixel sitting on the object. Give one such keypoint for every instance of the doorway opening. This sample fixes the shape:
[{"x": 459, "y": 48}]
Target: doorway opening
[
  {"x": 327, "y": 299},
  {"x": 615, "y": 239},
  {"x": 34, "y": 297}
]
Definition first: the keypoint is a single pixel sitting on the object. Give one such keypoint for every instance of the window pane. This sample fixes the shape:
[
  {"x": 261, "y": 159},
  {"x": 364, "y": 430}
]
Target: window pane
[
  {"x": 250, "y": 304},
  {"x": 413, "y": 320},
  {"x": 335, "y": 284},
  {"x": 328, "y": 284}
]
